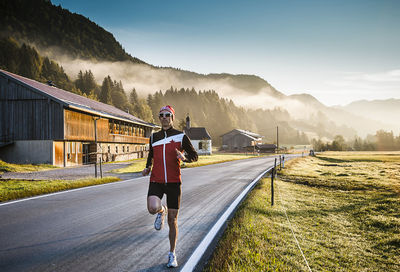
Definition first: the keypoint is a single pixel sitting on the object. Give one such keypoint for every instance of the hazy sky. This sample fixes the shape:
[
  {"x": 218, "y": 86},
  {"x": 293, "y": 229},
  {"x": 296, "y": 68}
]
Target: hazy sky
[{"x": 338, "y": 51}]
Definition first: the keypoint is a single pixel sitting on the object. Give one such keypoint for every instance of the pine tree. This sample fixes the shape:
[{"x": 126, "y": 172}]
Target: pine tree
[
  {"x": 105, "y": 93},
  {"x": 133, "y": 97}
]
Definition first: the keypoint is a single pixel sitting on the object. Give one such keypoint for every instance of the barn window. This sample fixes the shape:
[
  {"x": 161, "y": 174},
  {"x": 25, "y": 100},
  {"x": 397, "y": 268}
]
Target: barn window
[
  {"x": 123, "y": 149},
  {"x": 116, "y": 149},
  {"x": 109, "y": 148},
  {"x": 127, "y": 149},
  {"x": 200, "y": 145}
]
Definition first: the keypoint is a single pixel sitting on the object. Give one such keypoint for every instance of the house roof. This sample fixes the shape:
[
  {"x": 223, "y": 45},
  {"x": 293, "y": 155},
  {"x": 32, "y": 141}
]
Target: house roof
[
  {"x": 197, "y": 133},
  {"x": 249, "y": 134},
  {"x": 75, "y": 101}
]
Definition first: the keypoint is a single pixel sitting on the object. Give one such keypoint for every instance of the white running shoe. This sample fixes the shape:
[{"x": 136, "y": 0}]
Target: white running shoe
[
  {"x": 159, "y": 222},
  {"x": 172, "y": 260}
]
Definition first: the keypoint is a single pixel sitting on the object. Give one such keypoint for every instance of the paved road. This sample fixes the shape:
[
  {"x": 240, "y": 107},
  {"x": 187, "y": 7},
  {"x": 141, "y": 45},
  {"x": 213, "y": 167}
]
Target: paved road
[{"x": 107, "y": 228}]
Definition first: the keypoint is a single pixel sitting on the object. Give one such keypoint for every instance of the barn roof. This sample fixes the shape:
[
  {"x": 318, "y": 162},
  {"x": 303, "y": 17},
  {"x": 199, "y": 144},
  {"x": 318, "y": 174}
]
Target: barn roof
[
  {"x": 249, "y": 134},
  {"x": 197, "y": 133},
  {"x": 75, "y": 101}
]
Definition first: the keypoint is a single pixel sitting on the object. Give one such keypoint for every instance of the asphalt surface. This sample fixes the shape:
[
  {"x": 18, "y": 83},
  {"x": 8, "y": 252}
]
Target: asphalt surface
[{"x": 108, "y": 228}]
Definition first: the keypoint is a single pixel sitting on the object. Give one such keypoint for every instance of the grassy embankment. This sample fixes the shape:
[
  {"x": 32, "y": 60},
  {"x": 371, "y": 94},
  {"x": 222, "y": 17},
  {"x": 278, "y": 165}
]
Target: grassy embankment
[
  {"x": 11, "y": 189},
  {"x": 344, "y": 209},
  {"x": 10, "y": 167},
  {"x": 15, "y": 189}
]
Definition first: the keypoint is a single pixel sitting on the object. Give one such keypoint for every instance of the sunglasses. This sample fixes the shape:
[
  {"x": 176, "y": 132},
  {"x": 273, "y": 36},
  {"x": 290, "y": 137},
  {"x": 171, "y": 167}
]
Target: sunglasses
[{"x": 165, "y": 114}]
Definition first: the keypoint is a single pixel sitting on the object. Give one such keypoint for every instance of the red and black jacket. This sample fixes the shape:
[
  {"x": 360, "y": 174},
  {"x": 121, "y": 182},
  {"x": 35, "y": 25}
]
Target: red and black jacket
[{"x": 166, "y": 166}]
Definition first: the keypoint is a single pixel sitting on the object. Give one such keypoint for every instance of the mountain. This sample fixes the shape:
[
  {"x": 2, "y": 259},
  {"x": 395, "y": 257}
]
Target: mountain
[
  {"x": 387, "y": 110},
  {"x": 49, "y": 27},
  {"x": 77, "y": 43}
]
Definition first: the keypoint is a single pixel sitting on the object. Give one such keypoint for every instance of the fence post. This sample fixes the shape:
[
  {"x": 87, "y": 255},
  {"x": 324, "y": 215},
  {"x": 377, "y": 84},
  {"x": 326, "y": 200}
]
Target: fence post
[
  {"x": 272, "y": 183},
  {"x": 272, "y": 186},
  {"x": 101, "y": 162},
  {"x": 283, "y": 161},
  {"x": 280, "y": 162}
]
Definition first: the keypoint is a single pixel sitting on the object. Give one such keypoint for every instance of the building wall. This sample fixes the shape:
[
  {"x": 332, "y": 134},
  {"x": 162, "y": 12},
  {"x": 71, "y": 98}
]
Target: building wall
[
  {"x": 23, "y": 152},
  {"x": 28, "y": 115},
  {"x": 80, "y": 127},
  {"x": 70, "y": 153},
  {"x": 237, "y": 141},
  {"x": 206, "y": 146}
]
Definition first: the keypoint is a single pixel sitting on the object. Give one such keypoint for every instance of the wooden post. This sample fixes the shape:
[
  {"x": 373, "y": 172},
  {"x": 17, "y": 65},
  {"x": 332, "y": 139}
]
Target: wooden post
[
  {"x": 101, "y": 160},
  {"x": 283, "y": 161},
  {"x": 280, "y": 162},
  {"x": 95, "y": 141},
  {"x": 272, "y": 183}
]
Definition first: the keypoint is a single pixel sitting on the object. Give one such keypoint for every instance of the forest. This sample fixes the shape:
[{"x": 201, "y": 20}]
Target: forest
[
  {"x": 205, "y": 107},
  {"x": 41, "y": 23}
]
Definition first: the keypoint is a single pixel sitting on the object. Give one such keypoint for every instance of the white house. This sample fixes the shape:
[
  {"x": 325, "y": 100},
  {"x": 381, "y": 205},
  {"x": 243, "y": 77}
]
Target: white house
[{"x": 199, "y": 137}]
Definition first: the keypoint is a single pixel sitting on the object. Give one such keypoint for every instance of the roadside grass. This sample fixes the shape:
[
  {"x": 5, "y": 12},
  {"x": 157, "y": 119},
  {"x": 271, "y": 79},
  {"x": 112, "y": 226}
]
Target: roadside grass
[
  {"x": 139, "y": 165},
  {"x": 10, "y": 167},
  {"x": 15, "y": 189},
  {"x": 347, "y": 220}
]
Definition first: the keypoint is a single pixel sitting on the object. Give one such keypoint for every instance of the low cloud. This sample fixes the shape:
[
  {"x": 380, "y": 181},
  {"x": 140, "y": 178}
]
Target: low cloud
[{"x": 147, "y": 80}]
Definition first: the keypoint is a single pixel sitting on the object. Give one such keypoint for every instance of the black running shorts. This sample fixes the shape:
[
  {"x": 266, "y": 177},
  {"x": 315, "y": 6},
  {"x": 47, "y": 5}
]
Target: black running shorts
[{"x": 172, "y": 190}]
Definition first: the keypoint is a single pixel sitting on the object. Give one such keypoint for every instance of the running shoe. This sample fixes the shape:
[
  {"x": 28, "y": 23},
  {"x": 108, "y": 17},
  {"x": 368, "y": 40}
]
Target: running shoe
[
  {"x": 172, "y": 260},
  {"x": 159, "y": 222}
]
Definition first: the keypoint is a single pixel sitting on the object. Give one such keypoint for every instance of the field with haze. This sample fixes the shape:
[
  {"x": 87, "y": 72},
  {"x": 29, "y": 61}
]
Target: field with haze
[{"x": 343, "y": 209}]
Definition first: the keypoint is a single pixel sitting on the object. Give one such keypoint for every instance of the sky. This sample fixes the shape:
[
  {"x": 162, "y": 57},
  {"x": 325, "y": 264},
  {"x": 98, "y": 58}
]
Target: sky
[{"x": 339, "y": 51}]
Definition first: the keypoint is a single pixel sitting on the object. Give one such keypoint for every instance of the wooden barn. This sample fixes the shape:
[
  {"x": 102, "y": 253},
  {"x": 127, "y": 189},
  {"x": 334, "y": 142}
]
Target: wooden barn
[
  {"x": 240, "y": 140},
  {"x": 40, "y": 123}
]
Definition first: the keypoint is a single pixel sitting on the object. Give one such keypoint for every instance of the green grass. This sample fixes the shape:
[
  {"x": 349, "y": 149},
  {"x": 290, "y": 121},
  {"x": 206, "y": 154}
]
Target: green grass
[
  {"x": 15, "y": 189},
  {"x": 139, "y": 165},
  {"x": 348, "y": 220},
  {"x": 10, "y": 167}
]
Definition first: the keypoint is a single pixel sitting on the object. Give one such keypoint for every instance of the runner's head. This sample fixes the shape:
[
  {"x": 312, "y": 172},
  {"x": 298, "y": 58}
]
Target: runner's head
[{"x": 166, "y": 116}]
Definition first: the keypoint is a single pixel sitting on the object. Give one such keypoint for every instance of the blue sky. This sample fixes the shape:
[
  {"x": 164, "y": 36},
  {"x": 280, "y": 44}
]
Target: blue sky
[{"x": 338, "y": 51}]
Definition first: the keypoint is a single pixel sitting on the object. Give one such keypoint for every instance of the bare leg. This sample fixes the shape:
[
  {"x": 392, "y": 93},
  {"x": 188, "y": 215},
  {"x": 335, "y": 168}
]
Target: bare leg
[
  {"x": 173, "y": 228},
  {"x": 154, "y": 204}
]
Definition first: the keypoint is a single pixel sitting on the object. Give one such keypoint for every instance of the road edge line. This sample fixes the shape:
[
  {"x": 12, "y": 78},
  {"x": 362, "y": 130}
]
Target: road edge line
[{"x": 208, "y": 239}]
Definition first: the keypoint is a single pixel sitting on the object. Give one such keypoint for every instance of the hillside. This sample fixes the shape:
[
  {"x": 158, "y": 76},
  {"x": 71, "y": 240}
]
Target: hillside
[
  {"x": 387, "y": 110},
  {"x": 46, "y": 26},
  {"x": 73, "y": 44}
]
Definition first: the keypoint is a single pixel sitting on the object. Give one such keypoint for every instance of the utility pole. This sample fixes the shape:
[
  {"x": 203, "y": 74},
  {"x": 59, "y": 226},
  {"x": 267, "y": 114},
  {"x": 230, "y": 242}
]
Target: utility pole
[{"x": 277, "y": 138}]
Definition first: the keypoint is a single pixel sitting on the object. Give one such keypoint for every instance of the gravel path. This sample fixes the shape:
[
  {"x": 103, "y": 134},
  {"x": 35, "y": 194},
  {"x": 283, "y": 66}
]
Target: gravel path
[{"x": 71, "y": 173}]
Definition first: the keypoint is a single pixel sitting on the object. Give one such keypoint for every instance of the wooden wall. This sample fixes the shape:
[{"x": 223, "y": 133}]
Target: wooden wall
[
  {"x": 80, "y": 127},
  {"x": 27, "y": 115}
]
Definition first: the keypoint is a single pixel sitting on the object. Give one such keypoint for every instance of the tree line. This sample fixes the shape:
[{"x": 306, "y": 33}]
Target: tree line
[
  {"x": 381, "y": 141},
  {"x": 205, "y": 107}
]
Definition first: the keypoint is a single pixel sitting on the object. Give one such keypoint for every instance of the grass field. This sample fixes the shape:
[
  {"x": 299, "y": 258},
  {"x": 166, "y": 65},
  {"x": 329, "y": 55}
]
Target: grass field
[
  {"x": 15, "y": 189},
  {"x": 344, "y": 209},
  {"x": 9, "y": 167}
]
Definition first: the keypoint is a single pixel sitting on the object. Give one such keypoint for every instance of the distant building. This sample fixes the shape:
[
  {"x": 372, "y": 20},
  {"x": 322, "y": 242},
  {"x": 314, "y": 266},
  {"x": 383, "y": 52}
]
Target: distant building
[
  {"x": 199, "y": 137},
  {"x": 240, "y": 140},
  {"x": 40, "y": 123},
  {"x": 266, "y": 148}
]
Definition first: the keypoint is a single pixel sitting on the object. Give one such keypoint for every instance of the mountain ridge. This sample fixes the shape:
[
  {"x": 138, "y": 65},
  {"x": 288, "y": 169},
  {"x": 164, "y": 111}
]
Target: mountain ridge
[{"x": 250, "y": 90}]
